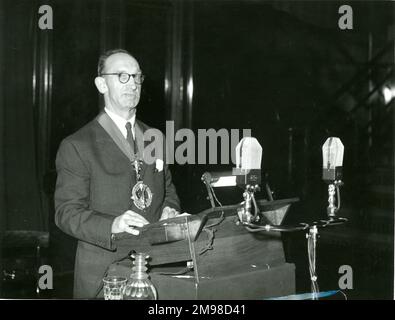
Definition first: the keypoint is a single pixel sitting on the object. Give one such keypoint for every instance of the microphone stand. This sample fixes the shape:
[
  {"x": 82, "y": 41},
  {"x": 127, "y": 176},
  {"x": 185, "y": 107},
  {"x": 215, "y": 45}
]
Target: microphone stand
[
  {"x": 312, "y": 229},
  {"x": 206, "y": 180},
  {"x": 245, "y": 213},
  {"x": 312, "y": 235}
]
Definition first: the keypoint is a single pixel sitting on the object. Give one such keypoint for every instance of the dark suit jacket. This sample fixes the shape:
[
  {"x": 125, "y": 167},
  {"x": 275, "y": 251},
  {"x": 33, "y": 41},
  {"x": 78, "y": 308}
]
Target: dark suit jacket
[{"x": 93, "y": 187}]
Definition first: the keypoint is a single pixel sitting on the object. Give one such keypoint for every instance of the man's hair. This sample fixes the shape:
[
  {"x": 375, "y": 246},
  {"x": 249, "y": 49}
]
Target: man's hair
[{"x": 102, "y": 59}]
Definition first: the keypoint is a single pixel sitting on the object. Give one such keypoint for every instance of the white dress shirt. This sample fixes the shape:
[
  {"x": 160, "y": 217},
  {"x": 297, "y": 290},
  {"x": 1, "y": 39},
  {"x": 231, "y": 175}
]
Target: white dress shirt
[{"x": 121, "y": 122}]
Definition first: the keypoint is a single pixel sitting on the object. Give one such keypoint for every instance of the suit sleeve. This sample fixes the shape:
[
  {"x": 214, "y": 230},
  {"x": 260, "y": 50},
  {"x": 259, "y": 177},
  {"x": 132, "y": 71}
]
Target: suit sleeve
[
  {"x": 171, "y": 199},
  {"x": 72, "y": 212}
]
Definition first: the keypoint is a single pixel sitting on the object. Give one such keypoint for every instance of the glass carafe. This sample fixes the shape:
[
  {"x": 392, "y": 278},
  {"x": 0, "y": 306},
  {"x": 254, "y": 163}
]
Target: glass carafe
[{"x": 139, "y": 286}]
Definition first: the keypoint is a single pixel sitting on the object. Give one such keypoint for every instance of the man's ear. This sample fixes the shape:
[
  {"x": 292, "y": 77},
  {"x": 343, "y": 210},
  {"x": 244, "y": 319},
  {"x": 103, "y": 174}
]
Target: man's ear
[{"x": 101, "y": 85}]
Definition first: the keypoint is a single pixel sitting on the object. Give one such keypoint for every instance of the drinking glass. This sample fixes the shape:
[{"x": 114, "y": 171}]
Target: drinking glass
[{"x": 114, "y": 287}]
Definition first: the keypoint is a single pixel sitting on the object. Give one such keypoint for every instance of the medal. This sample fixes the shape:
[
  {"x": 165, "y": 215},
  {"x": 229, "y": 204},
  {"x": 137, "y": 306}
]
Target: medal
[
  {"x": 136, "y": 165},
  {"x": 141, "y": 193}
]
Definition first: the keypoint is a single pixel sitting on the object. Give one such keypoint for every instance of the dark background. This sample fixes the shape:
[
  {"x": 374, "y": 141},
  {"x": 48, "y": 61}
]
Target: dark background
[{"x": 282, "y": 69}]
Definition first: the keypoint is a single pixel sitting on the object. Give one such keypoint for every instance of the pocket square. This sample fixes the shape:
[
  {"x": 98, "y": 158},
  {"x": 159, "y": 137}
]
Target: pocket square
[{"x": 159, "y": 165}]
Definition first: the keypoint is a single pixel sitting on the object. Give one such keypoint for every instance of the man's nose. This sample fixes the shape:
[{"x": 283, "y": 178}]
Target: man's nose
[{"x": 131, "y": 84}]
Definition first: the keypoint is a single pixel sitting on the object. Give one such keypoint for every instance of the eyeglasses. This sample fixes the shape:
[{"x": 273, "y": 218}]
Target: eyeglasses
[{"x": 124, "y": 77}]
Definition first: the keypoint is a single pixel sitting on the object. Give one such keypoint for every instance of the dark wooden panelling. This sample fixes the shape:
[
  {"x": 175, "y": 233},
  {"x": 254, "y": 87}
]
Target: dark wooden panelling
[
  {"x": 76, "y": 44},
  {"x": 2, "y": 181},
  {"x": 22, "y": 192}
]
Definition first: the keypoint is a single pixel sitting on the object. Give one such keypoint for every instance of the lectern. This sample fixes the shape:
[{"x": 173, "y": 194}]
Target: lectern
[{"x": 212, "y": 256}]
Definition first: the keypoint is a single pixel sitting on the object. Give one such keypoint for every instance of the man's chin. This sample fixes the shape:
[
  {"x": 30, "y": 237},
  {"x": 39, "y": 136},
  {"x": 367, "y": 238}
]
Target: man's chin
[
  {"x": 130, "y": 104},
  {"x": 129, "y": 107}
]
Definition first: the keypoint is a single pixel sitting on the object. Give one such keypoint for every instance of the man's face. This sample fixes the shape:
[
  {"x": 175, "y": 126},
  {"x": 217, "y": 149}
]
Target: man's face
[{"x": 121, "y": 96}]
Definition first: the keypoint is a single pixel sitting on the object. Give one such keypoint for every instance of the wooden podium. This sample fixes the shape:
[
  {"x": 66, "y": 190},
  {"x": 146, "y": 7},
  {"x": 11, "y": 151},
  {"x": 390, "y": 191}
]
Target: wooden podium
[{"x": 230, "y": 262}]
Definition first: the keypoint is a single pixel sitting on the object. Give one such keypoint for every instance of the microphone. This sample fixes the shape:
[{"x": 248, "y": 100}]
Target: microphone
[
  {"x": 248, "y": 154},
  {"x": 248, "y": 162},
  {"x": 332, "y": 163},
  {"x": 248, "y": 167},
  {"x": 332, "y": 160},
  {"x": 246, "y": 175}
]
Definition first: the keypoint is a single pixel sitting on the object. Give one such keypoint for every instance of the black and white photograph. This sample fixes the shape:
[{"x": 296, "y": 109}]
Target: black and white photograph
[{"x": 223, "y": 150}]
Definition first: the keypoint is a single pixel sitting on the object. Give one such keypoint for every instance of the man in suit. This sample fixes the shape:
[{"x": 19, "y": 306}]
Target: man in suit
[{"x": 103, "y": 187}]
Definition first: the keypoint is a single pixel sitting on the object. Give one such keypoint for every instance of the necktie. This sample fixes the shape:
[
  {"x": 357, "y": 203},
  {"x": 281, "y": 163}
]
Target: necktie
[{"x": 130, "y": 138}]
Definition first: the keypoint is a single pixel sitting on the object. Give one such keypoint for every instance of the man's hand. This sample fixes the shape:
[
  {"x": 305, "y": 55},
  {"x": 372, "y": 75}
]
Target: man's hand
[
  {"x": 127, "y": 221},
  {"x": 169, "y": 213}
]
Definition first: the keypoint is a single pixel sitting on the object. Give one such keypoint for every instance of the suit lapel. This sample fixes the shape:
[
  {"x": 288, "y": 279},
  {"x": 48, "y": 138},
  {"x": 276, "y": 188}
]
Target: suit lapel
[
  {"x": 113, "y": 131},
  {"x": 109, "y": 126}
]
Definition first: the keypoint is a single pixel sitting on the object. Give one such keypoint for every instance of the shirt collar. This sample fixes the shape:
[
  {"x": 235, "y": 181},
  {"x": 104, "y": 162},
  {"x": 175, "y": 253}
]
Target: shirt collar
[{"x": 121, "y": 122}]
